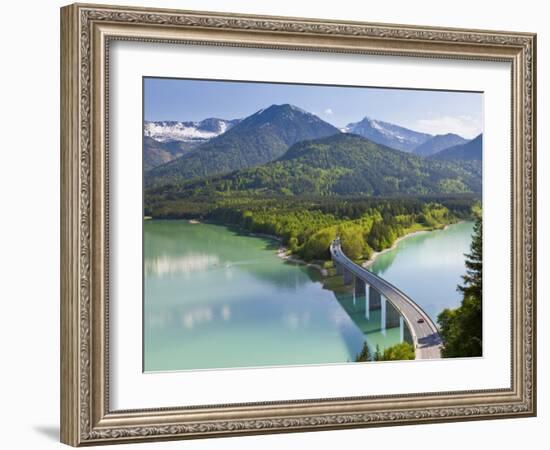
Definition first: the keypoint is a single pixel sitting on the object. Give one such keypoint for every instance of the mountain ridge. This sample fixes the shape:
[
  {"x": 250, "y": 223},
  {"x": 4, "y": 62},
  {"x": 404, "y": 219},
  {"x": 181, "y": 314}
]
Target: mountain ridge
[
  {"x": 437, "y": 143},
  {"x": 175, "y": 130},
  {"x": 471, "y": 150},
  {"x": 257, "y": 139},
  {"x": 164, "y": 141},
  {"x": 388, "y": 134},
  {"x": 342, "y": 164}
]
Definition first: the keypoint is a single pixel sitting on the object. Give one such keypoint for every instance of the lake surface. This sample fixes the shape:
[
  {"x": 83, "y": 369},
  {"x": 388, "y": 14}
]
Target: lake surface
[
  {"x": 216, "y": 298},
  {"x": 429, "y": 266}
]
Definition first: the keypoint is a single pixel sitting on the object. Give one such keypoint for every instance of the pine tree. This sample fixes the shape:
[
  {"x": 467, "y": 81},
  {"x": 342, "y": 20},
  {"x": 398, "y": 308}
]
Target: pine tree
[
  {"x": 473, "y": 280},
  {"x": 461, "y": 328},
  {"x": 364, "y": 354}
]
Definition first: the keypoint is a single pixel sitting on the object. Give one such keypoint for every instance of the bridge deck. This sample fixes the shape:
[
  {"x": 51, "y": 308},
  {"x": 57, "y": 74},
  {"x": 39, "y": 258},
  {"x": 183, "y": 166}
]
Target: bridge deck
[{"x": 425, "y": 334}]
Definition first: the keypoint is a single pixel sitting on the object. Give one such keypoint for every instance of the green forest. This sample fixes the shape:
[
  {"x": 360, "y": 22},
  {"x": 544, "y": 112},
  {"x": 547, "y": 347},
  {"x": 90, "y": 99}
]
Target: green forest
[
  {"x": 461, "y": 328},
  {"x": 296, "y": 177},
  {"x": 286, "y": 173},
  {"x": 397, "y": 352},
  {"x": 341, "y": 165},
  {"x": 306, "y": 226}
]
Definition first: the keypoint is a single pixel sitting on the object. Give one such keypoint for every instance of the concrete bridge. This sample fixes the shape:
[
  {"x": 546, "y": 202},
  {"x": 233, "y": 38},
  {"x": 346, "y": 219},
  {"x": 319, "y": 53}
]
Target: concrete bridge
[{"x": 415, "y": 324}]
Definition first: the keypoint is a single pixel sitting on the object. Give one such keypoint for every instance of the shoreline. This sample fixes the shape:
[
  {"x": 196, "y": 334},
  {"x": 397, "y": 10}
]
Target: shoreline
[
  {"x": 282, "y": 251},
  {"x": 369, "y": 262}
]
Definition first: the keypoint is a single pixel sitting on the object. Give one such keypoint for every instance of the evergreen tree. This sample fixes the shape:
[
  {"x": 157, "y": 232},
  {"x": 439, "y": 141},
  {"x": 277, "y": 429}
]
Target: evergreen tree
[
  {"x": 364, "y": 354},
  {"x": 473, "y": 280},
  {"x": 461, "y": 328}
]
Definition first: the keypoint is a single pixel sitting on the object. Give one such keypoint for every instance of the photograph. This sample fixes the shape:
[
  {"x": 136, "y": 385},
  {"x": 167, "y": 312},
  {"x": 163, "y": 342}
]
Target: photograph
[
  {"x": 286, "y": 223},
  {"x": 303, "y": 224}
]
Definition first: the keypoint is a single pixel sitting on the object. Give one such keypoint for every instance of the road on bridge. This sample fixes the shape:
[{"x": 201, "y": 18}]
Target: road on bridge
[{"x": 425, "y": 334}]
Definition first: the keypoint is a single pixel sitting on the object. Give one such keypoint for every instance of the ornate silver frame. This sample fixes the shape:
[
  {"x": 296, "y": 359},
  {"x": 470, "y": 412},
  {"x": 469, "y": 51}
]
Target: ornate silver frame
[{"x": 86, "y": 31}]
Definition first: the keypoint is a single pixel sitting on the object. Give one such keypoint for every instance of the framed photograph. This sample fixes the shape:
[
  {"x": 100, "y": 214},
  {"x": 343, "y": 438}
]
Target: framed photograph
[{"x": 278, "y": 224}]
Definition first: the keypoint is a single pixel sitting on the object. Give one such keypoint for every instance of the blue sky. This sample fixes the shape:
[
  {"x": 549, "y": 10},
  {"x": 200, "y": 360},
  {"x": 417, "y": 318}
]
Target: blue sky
[{"x": 435, "y": 112}]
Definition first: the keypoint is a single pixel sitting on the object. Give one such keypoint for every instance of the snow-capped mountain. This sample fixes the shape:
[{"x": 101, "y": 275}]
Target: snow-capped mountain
[
  {"x": 257, "y": 139},
  {"x": 165, "y": 141},
  {"x": 387, "y": 134},
  {"x": 167, "y": 131}
]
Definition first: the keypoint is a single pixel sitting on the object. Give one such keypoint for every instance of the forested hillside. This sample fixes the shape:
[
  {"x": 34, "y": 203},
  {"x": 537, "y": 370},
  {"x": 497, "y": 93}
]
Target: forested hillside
[
  {"x": 285, "y": 172},
  {"x": 470, "y": 151},
  {"x": 307, "y": 225},
  {"x": 258, "y": 139},
  {"x": 342, "y": 164}
]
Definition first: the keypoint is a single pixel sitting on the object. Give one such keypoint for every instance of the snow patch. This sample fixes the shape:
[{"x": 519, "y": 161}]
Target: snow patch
[{"x": 166, "y": 131}]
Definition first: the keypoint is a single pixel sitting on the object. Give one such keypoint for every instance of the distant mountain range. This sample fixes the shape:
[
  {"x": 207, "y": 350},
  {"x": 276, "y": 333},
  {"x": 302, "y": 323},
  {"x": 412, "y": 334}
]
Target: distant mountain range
[
  {"x": 437, "y": 143},
  {"x": 156, "y": 153},
  {"x": 471, "y": 150},
  {"x": 343, "y": 164},
  {"x": 165, "y": 141},
  {"x": 258, "y": 139},
  {"x": 388, "y": 134},
  {"x": 165, "y": 131},
  {"x": 283, "y": 149}
]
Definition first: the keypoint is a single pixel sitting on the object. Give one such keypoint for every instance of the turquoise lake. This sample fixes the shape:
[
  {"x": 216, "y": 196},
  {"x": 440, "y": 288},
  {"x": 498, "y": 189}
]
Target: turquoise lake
[{"x": 217, "y": 298}]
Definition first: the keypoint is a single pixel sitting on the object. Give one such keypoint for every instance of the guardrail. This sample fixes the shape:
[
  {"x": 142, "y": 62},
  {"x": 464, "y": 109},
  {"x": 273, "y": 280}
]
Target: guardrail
[{"x": 364, "y": 273}]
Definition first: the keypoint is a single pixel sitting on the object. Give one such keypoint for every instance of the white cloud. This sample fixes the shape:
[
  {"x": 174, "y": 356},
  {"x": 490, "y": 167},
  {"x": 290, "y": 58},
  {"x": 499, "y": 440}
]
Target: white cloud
[
  {"x": 465, "y": 126},
  {"x": 328, "y": 112}
]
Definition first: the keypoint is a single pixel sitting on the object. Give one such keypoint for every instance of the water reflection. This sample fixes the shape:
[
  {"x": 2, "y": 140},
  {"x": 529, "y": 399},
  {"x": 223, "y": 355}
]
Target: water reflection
[
  {"x": 229, "y": 301},
  {"x": 375, "y": 317},
  {"x": 216, "y": 298},
  {"x": 177, "y": 247},
  {"x": 226, "y": 312},
  {"x": 170, "y": 265}
]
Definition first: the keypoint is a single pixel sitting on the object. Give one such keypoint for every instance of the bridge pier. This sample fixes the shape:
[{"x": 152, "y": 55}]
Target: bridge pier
[
  {"x": 348, "y": 277},
  {"x": 407, "y": 337},
  {"x": 409, "y": 330},
  {"x": 383, "y": 314},
  {"x": 359, "y": 285},
  {"x": 392, "y": 316},
  {"x": 374, "y": 298},
  {"x": 367, "y": 301}
]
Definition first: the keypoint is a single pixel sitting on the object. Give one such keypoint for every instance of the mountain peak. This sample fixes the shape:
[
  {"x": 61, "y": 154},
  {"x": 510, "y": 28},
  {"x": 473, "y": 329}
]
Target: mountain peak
[
  {"x": 334, "y": 143},
  {"x": 262, "y": 137},
  {"x": 439, "y": 143},
  {"x": 388, "y": 134},
  {"x": 284, "y": 115},
  {"x": 469, "y": 150},
  {"x": 284, "y": 107}
]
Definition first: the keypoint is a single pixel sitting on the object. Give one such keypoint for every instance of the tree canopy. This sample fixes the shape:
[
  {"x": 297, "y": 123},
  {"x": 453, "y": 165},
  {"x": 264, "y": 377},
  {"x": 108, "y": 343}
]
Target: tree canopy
[
  {"x": 398, "y": 352},
  {"x": 306, "y": 226},
  {"x": 461, "y": 328}
]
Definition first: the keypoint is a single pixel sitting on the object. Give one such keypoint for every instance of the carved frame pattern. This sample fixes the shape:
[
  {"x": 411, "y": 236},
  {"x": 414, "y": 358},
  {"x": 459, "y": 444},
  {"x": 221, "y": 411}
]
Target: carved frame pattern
[{"x": 86, "y": 33}]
